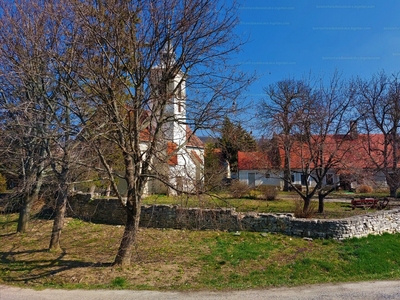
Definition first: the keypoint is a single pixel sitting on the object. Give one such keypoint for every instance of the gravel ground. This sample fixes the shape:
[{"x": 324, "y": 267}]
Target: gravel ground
[{"x": 360, "y": 290}]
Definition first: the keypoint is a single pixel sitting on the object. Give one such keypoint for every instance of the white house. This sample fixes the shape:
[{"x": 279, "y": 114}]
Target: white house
[{"x": 254, "y": 169}]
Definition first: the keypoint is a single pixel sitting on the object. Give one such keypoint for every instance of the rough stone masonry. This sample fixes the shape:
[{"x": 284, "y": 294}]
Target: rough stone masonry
[{"x": 110, "y": 211}]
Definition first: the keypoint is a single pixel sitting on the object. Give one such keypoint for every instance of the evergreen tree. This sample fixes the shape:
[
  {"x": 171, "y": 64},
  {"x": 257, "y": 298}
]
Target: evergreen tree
[{"x": 235, "y": 138}]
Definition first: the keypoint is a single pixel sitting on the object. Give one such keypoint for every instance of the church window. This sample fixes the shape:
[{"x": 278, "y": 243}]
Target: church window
[
  {"x": 179, "y": 91},
  {"x": 179, "y": 106}
]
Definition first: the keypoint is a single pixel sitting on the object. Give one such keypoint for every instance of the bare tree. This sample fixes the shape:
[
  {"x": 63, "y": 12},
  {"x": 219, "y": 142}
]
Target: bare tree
[
  {"x": 24, "y": 90},
  {"x": 65, "y": 141},
  {"x": 327, "y": 136},
  {"x": 379, "y": 104},
  {"x": 317, "y": 135},
  {"x": 38, "y": 87},
  {"x": 123, "y": 69},
  {"x": 280, "y": 114},
  {"x": 140, "y": 58}
]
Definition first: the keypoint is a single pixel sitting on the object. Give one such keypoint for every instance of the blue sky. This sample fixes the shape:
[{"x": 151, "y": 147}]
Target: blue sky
[{"x": 293, "y": 38}]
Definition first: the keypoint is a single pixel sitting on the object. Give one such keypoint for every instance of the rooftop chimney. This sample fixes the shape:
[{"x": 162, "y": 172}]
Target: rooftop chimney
[{"x": 353, "y": 132}]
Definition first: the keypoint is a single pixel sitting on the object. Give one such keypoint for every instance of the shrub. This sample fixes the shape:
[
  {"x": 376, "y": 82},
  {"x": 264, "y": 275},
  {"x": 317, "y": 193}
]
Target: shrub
[
  {"x": 297, "y": 186},
  {"x": 300, "y": 213},
  {"x": 3, "y": 184},
  {"x": 268, "y": 192},
  {"x": 364, "y": 189},
  {"x": 239, "y": 189},
  {"x": 381, "y": 190},
  {"x": 253, "y": 194}
]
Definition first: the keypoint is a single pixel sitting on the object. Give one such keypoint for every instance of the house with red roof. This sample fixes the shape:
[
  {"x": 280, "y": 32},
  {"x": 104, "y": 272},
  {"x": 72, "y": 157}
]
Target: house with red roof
[
  {"x": 347, "y": 161},
  {"x": 255, "y": 168}
]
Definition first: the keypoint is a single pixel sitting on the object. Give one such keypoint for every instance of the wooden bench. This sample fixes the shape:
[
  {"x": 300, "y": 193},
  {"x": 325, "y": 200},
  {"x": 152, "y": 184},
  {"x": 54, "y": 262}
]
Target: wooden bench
[{"x": 369, "y": 203}]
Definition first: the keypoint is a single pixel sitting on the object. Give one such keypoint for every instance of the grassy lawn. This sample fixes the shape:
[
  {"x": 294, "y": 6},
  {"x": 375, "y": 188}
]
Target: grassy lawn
[
  {"x": 182, "y": 260},
  {"x": 285, "y": 203}
]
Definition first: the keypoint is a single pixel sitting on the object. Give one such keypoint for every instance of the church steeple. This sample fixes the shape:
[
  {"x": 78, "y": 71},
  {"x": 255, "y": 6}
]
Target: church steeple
[
  {"x": 169, "y": 83},
  {"x": 176, "y": 85},
  {"x": 167, "y": 57}
]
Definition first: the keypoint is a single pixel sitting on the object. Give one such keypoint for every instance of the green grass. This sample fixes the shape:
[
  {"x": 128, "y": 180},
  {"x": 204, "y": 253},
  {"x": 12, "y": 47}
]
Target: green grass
[
  {"x": 284, "y": 204},
  {"x": 346, "y": 194},
  {"x": 119, "y": 283},
  {"x": 253, "y": 261},
  {"x": 181, "y": 260}
]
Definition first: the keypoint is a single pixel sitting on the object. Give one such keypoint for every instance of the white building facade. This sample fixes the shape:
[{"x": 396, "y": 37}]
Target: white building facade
[{"x": 184, "y": 150}]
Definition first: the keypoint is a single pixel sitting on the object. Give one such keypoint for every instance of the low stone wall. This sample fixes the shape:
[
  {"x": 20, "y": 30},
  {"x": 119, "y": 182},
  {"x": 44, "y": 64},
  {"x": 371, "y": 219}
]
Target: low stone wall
[{"x": 110, "y": 211}]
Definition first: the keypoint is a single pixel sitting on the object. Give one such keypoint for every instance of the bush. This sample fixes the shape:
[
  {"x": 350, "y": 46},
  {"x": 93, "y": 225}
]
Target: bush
[
  {"x": 297, "y": 186},
  {"x": 253, "y": 194},
  {"x": 381, "y": 190},
  {"x": 239, "y": 189},
  {"x": 364, "y": 189},
  {"x": 298, "y": 209},
  {"x": 3, "y": 184},
  {"x": 269, "y": 192}
]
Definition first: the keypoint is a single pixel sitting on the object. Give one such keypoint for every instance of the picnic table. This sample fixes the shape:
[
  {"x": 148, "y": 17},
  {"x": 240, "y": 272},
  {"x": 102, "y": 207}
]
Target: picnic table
[{"x": 369, "y": 203}]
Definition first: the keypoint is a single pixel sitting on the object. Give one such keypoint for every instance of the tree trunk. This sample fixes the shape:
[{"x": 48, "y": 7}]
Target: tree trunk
[
  {"x": 286, "y": 171},
  {"x": 25, "y": 211},
  {"x": 108, "y": 190},
  {"x": 393, "y": 190},
  {"x": 124, "y": 254},
  {"x": 286, "y": 176},
  {"x": 321, "y": 198},
  {"x": 306, "y": 206},
  {"x": 24, "y": 214},
  {"x": 58, "y": 224}
]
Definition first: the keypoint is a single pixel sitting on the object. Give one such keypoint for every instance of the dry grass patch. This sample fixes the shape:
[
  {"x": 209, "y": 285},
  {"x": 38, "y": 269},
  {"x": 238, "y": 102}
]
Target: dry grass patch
[
  {"x": 179, "y": 259},
  {"x": 161, "y": 258}
]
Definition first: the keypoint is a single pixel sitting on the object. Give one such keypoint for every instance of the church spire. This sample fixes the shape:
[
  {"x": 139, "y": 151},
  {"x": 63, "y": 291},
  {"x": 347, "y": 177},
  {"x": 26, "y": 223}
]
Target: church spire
[{"x": 167, "y": 55}]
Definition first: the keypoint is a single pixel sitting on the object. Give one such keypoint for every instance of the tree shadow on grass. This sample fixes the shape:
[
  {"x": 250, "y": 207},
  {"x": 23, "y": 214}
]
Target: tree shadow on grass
[
  {"x": 8, "y": 234},
  {"x": 25, "y": 270}
]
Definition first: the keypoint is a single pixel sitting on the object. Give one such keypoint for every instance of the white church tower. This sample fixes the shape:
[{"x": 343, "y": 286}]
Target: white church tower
[
  {"x": 177, "y": 106},
  {"x": 174, "y": 90},
  {"x": 183, "y": 159}
]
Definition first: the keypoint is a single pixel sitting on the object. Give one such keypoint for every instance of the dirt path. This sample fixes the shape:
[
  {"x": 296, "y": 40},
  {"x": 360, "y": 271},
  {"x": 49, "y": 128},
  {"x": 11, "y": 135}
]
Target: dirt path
[{"x": 361, "y": 290}]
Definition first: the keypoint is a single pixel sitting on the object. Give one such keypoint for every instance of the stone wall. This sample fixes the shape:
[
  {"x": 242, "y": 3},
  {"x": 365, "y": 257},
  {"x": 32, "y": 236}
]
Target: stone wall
[{"x": 110, "y": 211}]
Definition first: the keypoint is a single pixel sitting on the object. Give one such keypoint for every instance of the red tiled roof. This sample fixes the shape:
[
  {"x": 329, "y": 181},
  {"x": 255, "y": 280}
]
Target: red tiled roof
[
  {"x": 193, "y": 140},
  {"x": 345, "y": 153},
  {"x": 172, "y": 154},
  {"x": 196, "y": 157},
  {"x": 253, "y": 161},
  {"x": 145, "y": 135}
]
